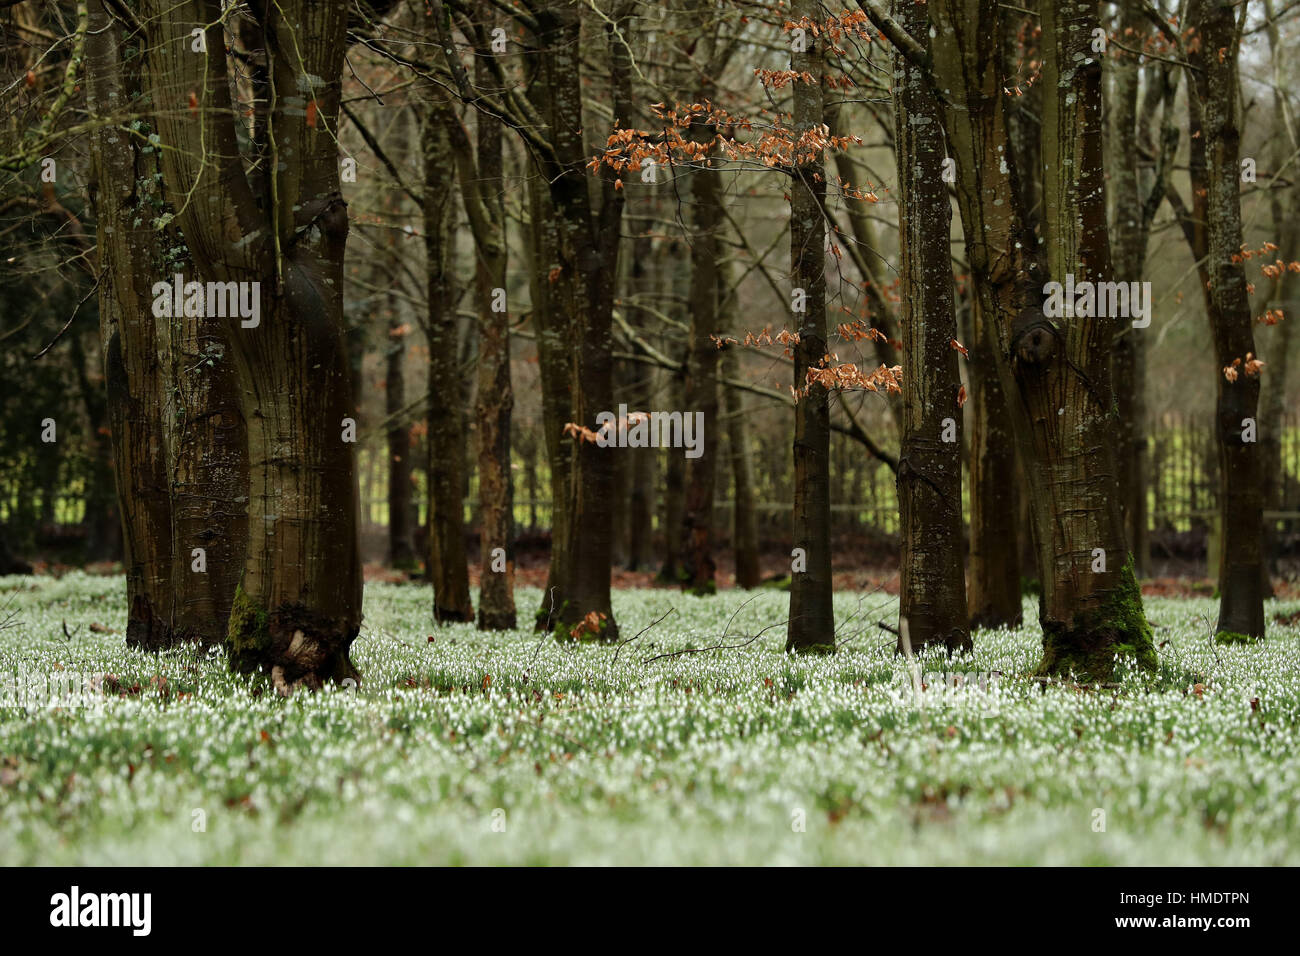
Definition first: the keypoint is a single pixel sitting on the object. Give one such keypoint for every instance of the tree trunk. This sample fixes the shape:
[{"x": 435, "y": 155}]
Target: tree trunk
[
  {"x": 744, "y": 540},
  {"x": 297, "y": 608},
  {"x": 1054, "y": 372},
  {"x": 132, "y": 366},
  {"x": 554, "y": 338},
  {"x": 207, "y": 445},
  {"x": 588, "y": 253},
  {"x": 994, "y": 592},
  {"x": 495, "y": 402},
  {"x": 698, "y": 566},
  {"x": 932, "y": 602},
  {"x": 811, "y": 626},
  {"x": 401, "y": 537},
  {"x": 1277, "y": 342},
  {"x": 1216, "y": 208},
  {"x": 1130, "y": 229},
  {"x": 448, "y": 562}
]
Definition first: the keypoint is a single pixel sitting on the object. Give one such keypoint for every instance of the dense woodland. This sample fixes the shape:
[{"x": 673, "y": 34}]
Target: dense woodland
[{"x": 744, "y": 294}]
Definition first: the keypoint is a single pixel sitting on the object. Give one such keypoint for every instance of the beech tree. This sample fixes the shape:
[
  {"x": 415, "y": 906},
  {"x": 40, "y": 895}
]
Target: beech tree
[
  {"x": 1215, "y": 173},
  {"x": 280, "y": 223},
  {"x": 933, "y": 585},
  {"x": 811, "y": 626},
  {"x": 1055, "y": 372},
  {"x": 133, "y": 368},
  {"x": 448, "y": 560}
]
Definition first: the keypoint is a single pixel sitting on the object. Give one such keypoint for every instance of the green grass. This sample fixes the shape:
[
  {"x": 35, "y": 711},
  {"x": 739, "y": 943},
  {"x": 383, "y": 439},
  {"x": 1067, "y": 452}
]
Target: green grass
[{"x": 701, "y": 758}]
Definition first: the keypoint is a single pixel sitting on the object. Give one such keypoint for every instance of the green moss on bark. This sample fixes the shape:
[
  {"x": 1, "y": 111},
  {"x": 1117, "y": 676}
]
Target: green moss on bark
[
  {"x": 249, "y": 633},
  {"x": 1087, "y": 645},
  {"x": 1233, "y": 637}
]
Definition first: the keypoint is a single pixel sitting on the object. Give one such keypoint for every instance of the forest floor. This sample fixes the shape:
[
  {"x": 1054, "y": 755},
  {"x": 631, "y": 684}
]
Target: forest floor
[{"x": 468, "y": 747}]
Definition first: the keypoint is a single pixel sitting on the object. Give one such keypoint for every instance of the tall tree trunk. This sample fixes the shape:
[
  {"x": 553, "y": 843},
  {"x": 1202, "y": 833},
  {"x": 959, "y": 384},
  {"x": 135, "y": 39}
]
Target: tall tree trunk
[
  {"x": 297, "y": 608},
  {"x": 698, "y": 565},
  {"x": 932, "y": 592},
  {"x": 401, "y": 536},
  {"x": 812, "y": 615},
  {"x": 132, "y": 366},
  {"x": 1216, "y": 207},
  {"x": 1285, "y": 209},
  {"x": 554, "y": 337},
  {"x": 588, "y": 253},
  {"x": 1054, "y": 372},
  {"x": 673, "y": 388},
  {"x": 495, "y": 402},
  {"x": 744, "y": 527},
  {"x": 1130, "y": 229},
  {"x": 448, "y": 561}
]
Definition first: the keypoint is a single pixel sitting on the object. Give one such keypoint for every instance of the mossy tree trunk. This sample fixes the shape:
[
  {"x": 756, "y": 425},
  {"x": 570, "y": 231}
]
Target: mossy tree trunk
[
  {"x": 993, "y": 594},
  {"x": 1055, "y": 373},
  {"x": 298, "y": 605}
]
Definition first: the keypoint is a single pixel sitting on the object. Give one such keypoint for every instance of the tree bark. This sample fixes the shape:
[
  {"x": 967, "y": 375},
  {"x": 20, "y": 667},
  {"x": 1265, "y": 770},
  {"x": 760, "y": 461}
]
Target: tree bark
[
  {"x": 744, "y": 525},
  {"x": 698, "y": 565},
  {"x": 495, "y": 401},
  {"x": 207, "y": 442},
  {"x": 297, "y": 608},
  {"x": 588, "y": 245},
  {"x": 401, "y": 536},
  {"x": 1055, "y": 372},
  {"x": 132, "y": 365},
  {"x": 932, "y": 592},
  {"x": 1216, "y": 210},
  {"x": 1130, "y": 229},
  {"x": 811, "y": 626},
  {"x": 448, "y": 561}
]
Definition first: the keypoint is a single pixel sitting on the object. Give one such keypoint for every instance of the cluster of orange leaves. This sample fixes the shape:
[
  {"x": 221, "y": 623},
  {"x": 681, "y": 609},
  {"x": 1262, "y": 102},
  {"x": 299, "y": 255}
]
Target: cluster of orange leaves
[
  {"x": 627, "y": 149},
  {"x": 850, "y": 23},
  {"x": 785, "y": 338},
  {"x": 1275, "y": 269},
  {"x": 1251, "y": 367},
  {"x": 849, "y": 376},
  {"x": 1245, "y": 253},
  {"x": 857, "y": 330}
]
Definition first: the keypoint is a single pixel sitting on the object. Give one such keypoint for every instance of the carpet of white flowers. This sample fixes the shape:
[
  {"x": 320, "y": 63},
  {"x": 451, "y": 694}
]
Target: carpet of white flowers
[{"x": 478, "y": 748}]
